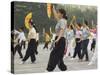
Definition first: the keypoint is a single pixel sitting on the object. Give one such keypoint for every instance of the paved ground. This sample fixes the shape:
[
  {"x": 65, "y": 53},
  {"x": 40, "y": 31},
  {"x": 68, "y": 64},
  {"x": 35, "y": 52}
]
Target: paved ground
[{"x": 42, "y": 60}]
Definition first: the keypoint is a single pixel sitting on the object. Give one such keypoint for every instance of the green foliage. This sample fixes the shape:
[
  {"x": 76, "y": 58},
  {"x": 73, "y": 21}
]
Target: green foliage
[{"x": 41, "y": 19}]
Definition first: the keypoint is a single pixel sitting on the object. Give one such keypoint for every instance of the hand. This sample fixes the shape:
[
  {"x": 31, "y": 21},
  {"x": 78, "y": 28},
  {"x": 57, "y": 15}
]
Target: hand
[
  {"x": 53, "y": 7},
  {"x": 79, "y": 41},
  {"x": 56, "y": 41},
  {"x": 36, "y": 53}
]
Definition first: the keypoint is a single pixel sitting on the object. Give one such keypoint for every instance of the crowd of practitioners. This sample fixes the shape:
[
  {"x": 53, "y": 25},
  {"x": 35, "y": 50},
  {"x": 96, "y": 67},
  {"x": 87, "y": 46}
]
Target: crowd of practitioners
[{"x": 71, "y": 40}]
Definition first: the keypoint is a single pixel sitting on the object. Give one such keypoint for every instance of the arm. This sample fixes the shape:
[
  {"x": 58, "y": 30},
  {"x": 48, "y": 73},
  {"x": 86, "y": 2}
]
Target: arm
[{"x": 55, "y": 13}]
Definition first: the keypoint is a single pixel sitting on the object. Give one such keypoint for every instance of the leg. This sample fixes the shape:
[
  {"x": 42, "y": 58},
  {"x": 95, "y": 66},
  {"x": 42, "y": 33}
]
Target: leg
[
  {"x": 15, "y": 49},
  {"x": 33, "y": 58},
  {"x": 44, "y": 46},
  {"x": 86, "y": 50},
  {"x": 87, "y": 58},
  {"x": 47, "y": 44},
  {"x": 52, "y": 61},
  {"x": 75, "y": 52},
  {"x": 26, "y": 56},
  {"x": 68, "y": 50},
  {"x": 20, "y": 53},
  {"x": 24, "y": 44},
  {"x": 79, "y": 50},
  {"x": 62, "y": 66}
]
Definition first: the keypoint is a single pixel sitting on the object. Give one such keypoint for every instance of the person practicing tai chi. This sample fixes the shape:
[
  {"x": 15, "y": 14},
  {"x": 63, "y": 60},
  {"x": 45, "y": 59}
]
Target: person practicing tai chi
[
  {"x": 69, "y": 41},
  {"x": 85, "y": 41},
  {"x": 56, "y": 55},
  {"x": 20, "y": 41},
  {"x": 31, "y": 50}
]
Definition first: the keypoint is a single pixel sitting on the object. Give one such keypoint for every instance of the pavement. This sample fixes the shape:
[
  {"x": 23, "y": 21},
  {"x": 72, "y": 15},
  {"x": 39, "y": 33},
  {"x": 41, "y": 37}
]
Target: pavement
[{"x": 42, "y": 60}]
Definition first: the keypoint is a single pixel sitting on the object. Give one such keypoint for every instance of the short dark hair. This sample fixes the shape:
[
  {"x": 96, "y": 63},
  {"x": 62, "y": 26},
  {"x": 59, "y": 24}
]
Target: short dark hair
[
  {"x": 86, "y": 22},
  {"x": 79, "y": 24},
  {"x": 22, "y": 28},
  {"x": 63, "y": 12}
]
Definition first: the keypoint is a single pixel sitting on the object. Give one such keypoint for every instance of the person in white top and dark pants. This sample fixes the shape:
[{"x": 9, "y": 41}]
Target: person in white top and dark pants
[
  {"x": 31, "y": 50},
  {"x": 20, "y": 41}
]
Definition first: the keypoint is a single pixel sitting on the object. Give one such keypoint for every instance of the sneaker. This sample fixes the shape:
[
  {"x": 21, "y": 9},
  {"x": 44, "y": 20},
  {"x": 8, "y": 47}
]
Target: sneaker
[
  {"x": 72, "y": 59},
  {"x": 22, "y": 62},
  {"x": 90, "y": 63}
]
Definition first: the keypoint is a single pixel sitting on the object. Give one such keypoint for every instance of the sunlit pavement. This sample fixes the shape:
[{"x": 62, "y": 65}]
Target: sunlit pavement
[{"x": 42, "y": 60}]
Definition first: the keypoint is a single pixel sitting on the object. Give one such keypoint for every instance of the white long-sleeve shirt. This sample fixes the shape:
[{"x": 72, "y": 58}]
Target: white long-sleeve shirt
[
  {"x": 32, "y": 34},
  {"x": 21, "y": 37}
]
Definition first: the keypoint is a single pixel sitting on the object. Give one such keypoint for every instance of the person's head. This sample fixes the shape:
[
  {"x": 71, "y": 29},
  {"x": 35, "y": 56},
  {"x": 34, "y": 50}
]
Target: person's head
[
  {"x": 71, "y": 27},
  {"x": 85, "y": 23},
  {"x": 21, "y": 29},
  {"x": 78, "y": 26},
  {"x": 30, "y": 23},
  {"x": 62, "y": 14}
]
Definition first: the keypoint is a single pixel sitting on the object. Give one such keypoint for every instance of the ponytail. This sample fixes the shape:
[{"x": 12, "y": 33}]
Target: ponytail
[{"x": 65, "y": 17}]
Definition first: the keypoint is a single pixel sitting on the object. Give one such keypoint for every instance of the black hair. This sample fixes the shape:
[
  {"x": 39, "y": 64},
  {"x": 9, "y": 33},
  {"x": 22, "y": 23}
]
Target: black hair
[
  {"x": 35, "y": 28},
  {"x": 62, "y": 11},
  {"x": 79, "y": 24},
  {"x": 71, "y": 27},
  {"x": 22, "y": 28},
  {"x": 86, "y": 22}
]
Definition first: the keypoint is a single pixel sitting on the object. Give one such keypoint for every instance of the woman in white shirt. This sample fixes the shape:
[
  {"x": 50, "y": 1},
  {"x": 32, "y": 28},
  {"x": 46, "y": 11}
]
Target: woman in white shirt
[
  {"x": 70, "y": 38},
  {"x": 20, "y": 41},
  {"x": 31, "y": 50}
]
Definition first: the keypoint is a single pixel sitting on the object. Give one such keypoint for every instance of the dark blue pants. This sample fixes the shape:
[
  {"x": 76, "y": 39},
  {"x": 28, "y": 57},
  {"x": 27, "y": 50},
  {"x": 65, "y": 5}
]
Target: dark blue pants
[
  {"x": 84, "y": 49},
  {"x": 77, "y": 48}
]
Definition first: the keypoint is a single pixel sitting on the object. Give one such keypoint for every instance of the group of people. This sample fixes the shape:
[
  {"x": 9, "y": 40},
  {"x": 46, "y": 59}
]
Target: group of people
[
  {"x": 70, "y": 40},
  {"x": 19, "y": 42}
]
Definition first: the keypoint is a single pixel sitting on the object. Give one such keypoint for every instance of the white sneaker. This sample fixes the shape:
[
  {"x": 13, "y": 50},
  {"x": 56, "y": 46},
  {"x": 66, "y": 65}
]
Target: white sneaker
[
  {"x": 72, "y": 59},
  {"x": 22, "y": 62},
  {"x": 90, "y": 63}
]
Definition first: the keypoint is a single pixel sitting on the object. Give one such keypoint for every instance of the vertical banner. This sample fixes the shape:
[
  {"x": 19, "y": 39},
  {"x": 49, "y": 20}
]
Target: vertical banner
[{"x": 49, "y": 10}]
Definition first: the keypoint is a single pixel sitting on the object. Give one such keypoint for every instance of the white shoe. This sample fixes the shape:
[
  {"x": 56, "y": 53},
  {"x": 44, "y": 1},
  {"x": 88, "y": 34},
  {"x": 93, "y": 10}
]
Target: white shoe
[
  {"x": 72, "y": 59},
  {"x": 22, "y": 62},
  {"x": 90, "y": 63}
]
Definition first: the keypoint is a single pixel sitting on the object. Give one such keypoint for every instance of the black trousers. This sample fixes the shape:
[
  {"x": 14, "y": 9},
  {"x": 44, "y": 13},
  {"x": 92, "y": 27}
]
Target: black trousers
[
  {"x": 23, "y": 43},
  {"x": 31, "y": 50},
  {"x": 56, "y": 56},
  {"x": 77, "y": 48},
  {"x": 84, "y": 49},
  {"x": 46, "y": 45},
  {"x": 37, "y": 43},
  {"x": 93, "y": 44},
  {"x": 18, "y": 48}
]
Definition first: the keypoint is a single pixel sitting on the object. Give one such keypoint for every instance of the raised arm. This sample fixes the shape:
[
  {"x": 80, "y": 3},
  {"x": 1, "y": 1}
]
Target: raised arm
[{"x": 55, "y": 13}]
